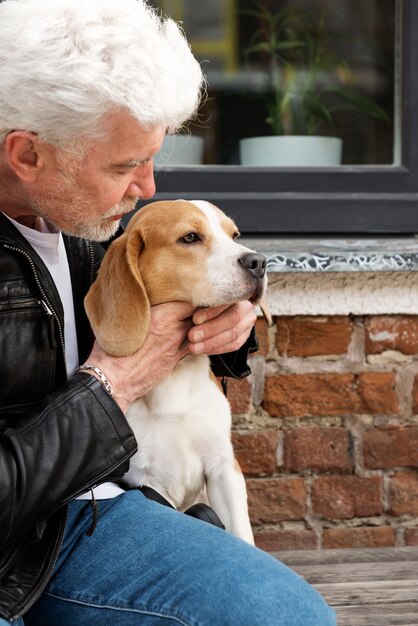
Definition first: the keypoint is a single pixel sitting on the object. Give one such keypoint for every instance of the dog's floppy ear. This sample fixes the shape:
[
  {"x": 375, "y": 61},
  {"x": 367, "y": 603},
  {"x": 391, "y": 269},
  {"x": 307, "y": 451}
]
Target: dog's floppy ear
[{"x": 117, "y": 304}]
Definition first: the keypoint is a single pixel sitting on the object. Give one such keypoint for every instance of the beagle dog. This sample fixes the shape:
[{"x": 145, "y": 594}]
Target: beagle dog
[{"x": 178, "y": 251}]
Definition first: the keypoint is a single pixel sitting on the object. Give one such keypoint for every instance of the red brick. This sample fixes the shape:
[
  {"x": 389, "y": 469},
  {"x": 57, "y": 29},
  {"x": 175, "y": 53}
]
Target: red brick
[
  {"x": 330, "y": 394},
  {"x": 310, "y": 394},
  {"x": 276, "y": 499},
  {"x": 275, "y": 540},
  {"x": 403, "y": 494},
  {"x": 411, "y": 536},
  {"x": 261, "y": 330},
  {"x": 345, "y": 497},
  {"x": 307, "y": 336},
  {"x": 317, "y": 448},
  {"x": 391, "y": 332},
  {"x": 377, "y": 393},
  {"x": 239, "y": 395},
  {"x": 360, "y": 537},
  {"x": 256, "y": 451},
  {"x": 391, "y": 447}
]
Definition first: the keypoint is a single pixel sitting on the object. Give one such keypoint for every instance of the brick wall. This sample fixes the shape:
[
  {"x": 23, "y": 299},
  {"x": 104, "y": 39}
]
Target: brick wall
[{"x": 326, "y": 432}]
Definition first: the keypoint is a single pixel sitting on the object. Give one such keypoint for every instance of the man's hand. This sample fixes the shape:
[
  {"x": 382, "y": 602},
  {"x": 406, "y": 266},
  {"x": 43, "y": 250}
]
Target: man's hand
[
  {"x": 221, "y": 329},
  {"x": 165, "y": 345},
  {"x": 175, "y": 330}
]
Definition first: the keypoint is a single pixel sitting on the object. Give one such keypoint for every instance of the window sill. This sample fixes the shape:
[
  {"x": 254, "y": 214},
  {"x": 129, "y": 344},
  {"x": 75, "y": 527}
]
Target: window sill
[{"x": 388, "y": 254}]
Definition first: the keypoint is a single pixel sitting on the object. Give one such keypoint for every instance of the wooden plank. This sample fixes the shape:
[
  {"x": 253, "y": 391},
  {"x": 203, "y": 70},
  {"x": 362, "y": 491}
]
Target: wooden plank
[
  {"x": 358, "y": 572},
  {"x": 365, "y": 587},
  {"x": 349, "y": 555},
  {"x": 373, "y": 593},
  {"x": 394, "y": 615}
]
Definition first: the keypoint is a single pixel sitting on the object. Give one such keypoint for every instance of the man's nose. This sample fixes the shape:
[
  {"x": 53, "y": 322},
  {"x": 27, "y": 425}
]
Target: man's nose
[{"x": 143, "y": 185}]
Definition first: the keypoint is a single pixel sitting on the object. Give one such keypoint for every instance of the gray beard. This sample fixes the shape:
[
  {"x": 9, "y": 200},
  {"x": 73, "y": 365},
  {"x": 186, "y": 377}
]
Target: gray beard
[{"x": 100, "y": 229}]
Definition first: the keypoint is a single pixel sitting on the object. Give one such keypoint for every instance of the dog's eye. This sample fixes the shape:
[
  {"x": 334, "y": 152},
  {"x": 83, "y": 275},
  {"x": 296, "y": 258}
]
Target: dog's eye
[{"x": 190, "y": 238}]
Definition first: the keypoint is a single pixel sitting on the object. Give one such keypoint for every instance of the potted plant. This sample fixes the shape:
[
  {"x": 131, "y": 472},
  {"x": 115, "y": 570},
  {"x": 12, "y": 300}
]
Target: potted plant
[
  {"x": 180, "y": 149},
  {"x": 306, "y": 83}
]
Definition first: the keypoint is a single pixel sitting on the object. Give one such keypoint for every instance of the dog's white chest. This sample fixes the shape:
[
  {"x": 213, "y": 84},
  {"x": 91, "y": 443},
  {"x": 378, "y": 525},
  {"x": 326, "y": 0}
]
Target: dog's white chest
[{"x": 182, "y": 428}]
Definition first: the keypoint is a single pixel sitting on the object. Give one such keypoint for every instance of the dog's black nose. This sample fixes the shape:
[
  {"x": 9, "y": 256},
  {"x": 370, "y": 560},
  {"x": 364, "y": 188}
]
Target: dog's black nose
[{"x": 254, "y": 263}]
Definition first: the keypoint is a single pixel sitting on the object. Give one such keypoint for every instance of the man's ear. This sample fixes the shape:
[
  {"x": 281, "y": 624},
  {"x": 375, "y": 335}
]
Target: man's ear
[{"x": 24, "y": 154}]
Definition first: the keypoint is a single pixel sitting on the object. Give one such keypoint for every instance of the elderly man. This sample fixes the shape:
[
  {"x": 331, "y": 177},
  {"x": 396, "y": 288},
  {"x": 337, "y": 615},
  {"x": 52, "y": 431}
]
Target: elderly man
[{"x": 88, "y": 91}]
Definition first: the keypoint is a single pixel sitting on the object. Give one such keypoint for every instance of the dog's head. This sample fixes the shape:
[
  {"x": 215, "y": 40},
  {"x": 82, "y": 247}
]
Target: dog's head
[{"x": 170, "y": 251}]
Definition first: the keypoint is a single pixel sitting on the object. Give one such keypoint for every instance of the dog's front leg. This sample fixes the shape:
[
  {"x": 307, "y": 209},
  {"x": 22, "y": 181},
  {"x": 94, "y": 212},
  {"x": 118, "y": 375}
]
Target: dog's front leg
[{"x": 227, "y": 495}]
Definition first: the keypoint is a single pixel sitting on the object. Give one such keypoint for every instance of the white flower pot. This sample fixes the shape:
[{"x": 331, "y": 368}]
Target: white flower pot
[
  {"x": 180, "y": 150},
  {"x": 291, "y": 151}
]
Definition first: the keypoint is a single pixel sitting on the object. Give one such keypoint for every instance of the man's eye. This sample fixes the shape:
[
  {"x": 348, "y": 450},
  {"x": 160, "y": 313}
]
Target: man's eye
[
  {"x": 190, "y": 238},
  {"x": 122, "y": 172}
]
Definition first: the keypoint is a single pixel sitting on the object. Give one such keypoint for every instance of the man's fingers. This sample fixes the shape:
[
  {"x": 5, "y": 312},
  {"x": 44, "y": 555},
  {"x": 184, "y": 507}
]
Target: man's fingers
[
  {"x": 218, "y": 344},
  {"x": 209, "y": 339},
  {"x": 239, "y": 316}
]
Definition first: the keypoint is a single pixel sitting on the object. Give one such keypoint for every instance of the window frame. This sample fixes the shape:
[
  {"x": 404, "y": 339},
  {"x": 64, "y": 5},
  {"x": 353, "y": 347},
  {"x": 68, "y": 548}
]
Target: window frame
[{"x": 358, "y": 200}]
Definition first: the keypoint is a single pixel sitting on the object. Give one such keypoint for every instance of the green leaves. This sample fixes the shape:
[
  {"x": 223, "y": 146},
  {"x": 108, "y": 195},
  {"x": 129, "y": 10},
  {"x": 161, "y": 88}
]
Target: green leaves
[
  {"x": 307, "y": 78},
  {"x": 354, "y": 100}
]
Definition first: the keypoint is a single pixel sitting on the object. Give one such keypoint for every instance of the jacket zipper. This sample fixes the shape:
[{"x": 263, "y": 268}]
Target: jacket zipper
[
  {"x": 45, "y": 302},
  {"x": 51, "y": 324},
  {"x": 21, "y": 304},
  {"x": 91, "y": 264}
]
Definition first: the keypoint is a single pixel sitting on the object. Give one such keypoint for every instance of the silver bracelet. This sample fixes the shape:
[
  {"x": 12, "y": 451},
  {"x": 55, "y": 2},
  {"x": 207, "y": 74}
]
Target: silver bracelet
[{"x": 102, "y": 378}]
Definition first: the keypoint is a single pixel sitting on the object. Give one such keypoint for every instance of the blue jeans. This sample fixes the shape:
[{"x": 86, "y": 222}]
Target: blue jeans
[{"x": 146, "y": 564}]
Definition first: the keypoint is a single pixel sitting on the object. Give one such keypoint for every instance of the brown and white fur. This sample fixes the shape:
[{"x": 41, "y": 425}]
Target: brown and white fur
[{"x": 183, "y": 425}]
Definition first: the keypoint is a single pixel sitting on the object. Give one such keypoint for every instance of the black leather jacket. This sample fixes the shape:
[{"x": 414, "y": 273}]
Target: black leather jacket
[{"x": 58, "y": 437}]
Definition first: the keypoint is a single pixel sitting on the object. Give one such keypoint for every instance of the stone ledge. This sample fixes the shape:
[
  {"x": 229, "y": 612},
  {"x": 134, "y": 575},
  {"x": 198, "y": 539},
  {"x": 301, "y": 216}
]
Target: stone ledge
[
  {"x": 388, "y": 254},
  {"x": 343, "y": 293}
]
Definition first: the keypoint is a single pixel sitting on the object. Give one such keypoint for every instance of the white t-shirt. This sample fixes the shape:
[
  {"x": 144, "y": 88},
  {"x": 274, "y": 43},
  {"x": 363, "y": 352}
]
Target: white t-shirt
[{"x": 49, "y": 245}]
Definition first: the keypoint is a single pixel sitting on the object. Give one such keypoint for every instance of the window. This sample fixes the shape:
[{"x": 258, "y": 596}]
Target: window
[{"x": 365, "y": 94}]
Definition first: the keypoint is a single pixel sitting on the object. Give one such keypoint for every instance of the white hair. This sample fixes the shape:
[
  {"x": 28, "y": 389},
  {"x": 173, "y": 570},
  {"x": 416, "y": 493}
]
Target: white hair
[{"x": 65, "y": 63}]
